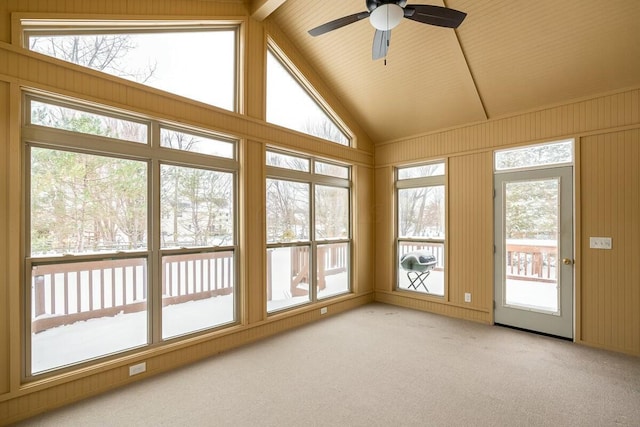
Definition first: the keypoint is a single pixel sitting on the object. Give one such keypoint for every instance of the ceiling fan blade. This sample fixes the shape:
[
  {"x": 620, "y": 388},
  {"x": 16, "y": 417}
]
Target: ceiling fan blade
[
  {"x": 338, "y": 23},
  {"x": 434, "y": 15},
  {"x": 381, "y": 40}
]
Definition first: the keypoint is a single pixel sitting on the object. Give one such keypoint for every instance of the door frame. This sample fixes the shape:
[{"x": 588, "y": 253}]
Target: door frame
[{"x": 560, "y": 324}]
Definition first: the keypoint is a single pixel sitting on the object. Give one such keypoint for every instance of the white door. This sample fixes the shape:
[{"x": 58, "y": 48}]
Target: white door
[{"x": 534, "y": 250}]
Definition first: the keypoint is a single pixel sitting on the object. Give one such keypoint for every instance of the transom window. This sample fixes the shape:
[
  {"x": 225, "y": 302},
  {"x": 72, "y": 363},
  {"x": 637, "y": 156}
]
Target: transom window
[
  {"x": 118, "y": 212},
  {"x": 292, "y": 104},
  {"x": 534, "y": 156},
  {"x": 308, "y": 230},
  {"x": 421, "y": 228},
  {"x": 194, "y": 59}
]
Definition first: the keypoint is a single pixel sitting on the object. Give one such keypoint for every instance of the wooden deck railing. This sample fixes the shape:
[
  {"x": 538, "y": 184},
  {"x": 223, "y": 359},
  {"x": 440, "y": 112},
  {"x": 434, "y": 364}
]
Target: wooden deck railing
[
  {"x": 66, "y": 293},
  {"x": 70, "y": 292},
  {"x": 531, "y": 260},
  {"x": 332, "y": 259},
  {"x": 191, "y": 277}
]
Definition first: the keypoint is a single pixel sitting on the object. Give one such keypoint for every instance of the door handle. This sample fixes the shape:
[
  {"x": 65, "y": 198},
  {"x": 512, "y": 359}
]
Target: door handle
[{"x": 567, "y": 261}]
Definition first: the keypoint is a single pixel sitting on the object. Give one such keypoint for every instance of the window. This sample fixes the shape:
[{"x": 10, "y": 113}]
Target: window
[
  {"x": 291, "y": 105},
  {"x": 197, "y": 60},
  {"x": 542, "y": 155},
  {"x": 101, "y": 237},
  {"x": 421, "y": 228},
  {"x": 308, "y": 230}
]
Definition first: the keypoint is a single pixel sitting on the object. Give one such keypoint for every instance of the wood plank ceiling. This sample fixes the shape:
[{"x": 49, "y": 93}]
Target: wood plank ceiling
[{"x": 508, "y": 56}]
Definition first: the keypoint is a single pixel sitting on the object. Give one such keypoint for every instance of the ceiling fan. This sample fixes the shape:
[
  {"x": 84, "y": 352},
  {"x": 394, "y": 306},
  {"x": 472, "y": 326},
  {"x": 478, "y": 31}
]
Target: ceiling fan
[{"x": 385, "y": 15}]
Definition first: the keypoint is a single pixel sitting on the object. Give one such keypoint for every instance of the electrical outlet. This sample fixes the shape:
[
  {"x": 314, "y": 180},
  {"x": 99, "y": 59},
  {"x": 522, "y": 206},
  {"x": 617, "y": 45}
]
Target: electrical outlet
[
  {"x": 137, "y": 369},
  {"x": 323, "y": 310},
  {"x": 467, "y": 297},
  {"x": 600, "y": 242}
]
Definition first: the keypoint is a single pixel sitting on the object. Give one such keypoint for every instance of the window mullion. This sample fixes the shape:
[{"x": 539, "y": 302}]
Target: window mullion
[
  {"x": 155, "y": 261},
  {"x": 313, "y": 271},
  {"x": 85, "y": 142}
]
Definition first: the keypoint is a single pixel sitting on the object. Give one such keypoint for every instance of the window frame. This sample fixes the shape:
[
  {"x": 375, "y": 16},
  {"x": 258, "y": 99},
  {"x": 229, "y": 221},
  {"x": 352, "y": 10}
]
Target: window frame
[
  {"x": 65, "y": 25},
  {"x": 154, "y": 155},
  {"x": 441, "y": 180},
  {"x": 313, "y": 179}
]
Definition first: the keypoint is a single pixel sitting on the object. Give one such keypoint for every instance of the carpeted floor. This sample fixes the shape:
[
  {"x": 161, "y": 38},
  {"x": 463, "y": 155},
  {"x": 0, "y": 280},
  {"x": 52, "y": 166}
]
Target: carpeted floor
[{"x": 381, "y": 365}]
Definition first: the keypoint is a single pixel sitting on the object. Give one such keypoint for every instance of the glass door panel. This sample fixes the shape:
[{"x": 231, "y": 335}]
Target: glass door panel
[{"x": 531, "y": 216}]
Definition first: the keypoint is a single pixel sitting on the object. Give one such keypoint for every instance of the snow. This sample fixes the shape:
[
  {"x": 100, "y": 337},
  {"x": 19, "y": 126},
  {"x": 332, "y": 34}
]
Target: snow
[
  {"x": 535, "y": 295},
  {"x": 94, "y": 338},
  {"x": 85, "y": 340},
  {"x": 528, "y": 294},
  {"x": 281, "y": 297}
]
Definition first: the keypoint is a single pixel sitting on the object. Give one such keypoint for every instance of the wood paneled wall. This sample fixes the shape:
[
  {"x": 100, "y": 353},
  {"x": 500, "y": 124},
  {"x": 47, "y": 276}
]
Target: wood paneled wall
[
  {"x": 21, "y": 69},
  {"x": 606, "y": 130},
  {"x": 364, "y": 229},
  {"x": 610, "y": 199},
  {"x": 470, "y": 263},
  {"x": 582, "y": 117}
]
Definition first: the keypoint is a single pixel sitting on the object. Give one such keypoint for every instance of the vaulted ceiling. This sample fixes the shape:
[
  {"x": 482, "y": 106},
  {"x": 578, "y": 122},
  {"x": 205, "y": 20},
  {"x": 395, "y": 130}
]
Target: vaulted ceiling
[{"x": 508, "y": 56}]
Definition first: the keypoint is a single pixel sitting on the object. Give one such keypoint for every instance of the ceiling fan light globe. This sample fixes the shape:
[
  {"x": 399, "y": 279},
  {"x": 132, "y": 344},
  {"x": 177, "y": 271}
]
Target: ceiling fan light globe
[{"x": 386, "y": 17}]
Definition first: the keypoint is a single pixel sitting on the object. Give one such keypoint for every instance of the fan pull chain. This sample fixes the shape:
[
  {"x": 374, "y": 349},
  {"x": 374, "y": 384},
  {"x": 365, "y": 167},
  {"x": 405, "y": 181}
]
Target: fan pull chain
[{"x": 385, "y": 55}]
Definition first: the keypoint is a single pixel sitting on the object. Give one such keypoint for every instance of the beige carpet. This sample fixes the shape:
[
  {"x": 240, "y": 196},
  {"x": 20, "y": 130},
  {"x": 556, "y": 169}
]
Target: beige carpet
[{"x": 381, "y": 365}]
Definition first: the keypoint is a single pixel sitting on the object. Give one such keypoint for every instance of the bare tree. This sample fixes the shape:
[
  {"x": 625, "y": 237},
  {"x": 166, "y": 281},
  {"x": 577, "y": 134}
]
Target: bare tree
[
  {"x": 325, "y": 128},
  {"x": 103, "y": 52}
]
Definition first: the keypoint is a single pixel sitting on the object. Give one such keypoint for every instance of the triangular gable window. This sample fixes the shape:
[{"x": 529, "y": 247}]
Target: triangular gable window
[{"x": 290, "y": 104}]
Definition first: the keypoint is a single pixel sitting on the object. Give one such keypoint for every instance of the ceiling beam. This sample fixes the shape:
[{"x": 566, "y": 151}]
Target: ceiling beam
[
  {"x": 261, "y": 9},
  {"x": 471, "y": 75}
]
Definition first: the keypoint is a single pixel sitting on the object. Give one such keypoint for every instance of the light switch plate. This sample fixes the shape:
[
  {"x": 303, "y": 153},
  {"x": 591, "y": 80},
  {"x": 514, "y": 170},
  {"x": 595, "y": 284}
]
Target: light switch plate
[{"x": 600, "y": 242}]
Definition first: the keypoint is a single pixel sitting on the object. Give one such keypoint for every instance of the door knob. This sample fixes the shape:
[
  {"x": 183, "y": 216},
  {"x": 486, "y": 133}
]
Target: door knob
[{"x": 567, "y": 261}]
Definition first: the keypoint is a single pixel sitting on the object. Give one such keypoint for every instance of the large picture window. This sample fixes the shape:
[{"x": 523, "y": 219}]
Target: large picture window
[
  {"x": 197, "y": 60},
  {"x": 290, "y": 104},
  {"x": 102, "y": 237},
  {"x": 308, "y": 230},
  {"x": 421, "y": 228}
]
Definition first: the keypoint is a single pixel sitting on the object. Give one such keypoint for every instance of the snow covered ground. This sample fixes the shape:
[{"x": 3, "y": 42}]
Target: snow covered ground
[
  {"x": 281, "y": 289},
  {"x": 535, "y": 295},
  {"x": 85, "y": 340},
  {"x": 94, "y": 338}
]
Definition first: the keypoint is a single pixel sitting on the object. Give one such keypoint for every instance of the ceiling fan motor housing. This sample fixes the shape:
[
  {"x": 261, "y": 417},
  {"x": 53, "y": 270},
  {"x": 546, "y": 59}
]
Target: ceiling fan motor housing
[{"x": 386, "y": 16}]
